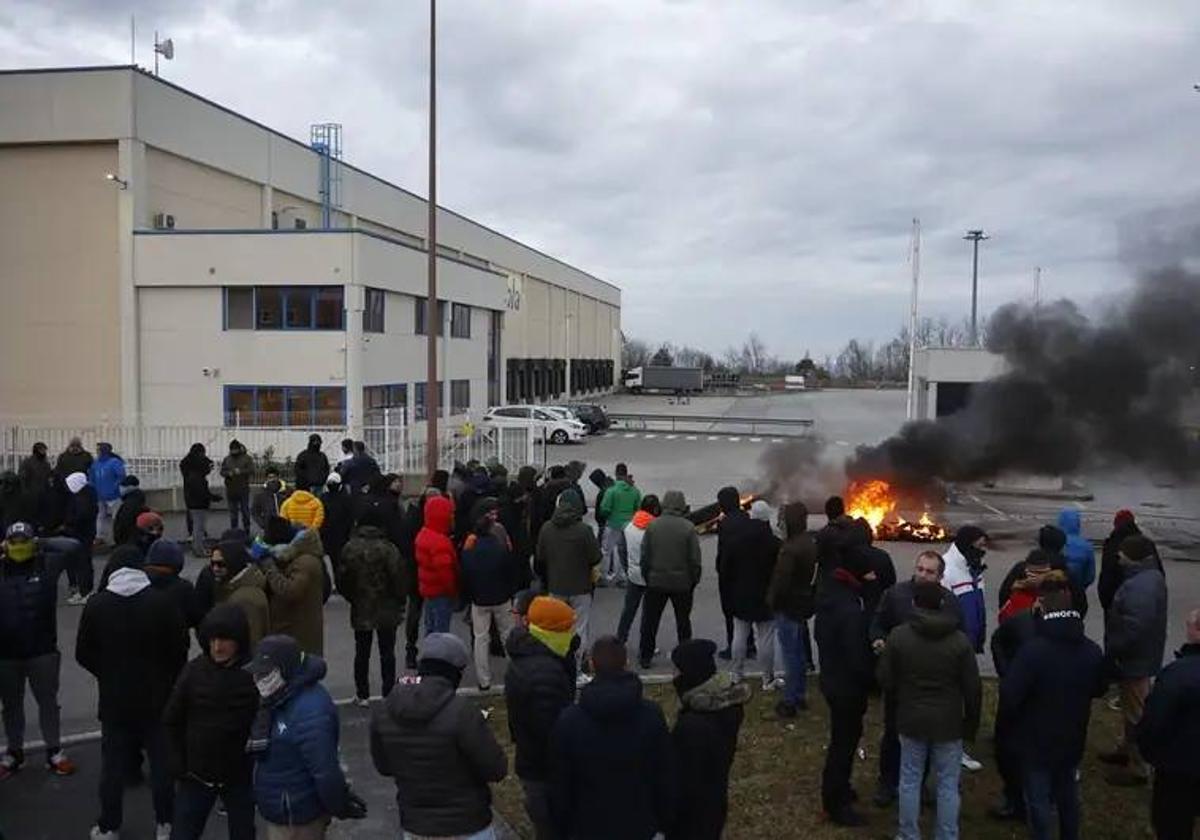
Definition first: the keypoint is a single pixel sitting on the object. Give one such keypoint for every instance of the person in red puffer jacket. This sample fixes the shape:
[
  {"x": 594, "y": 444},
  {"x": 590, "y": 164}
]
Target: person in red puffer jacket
[{"x": 437, "y": 565}]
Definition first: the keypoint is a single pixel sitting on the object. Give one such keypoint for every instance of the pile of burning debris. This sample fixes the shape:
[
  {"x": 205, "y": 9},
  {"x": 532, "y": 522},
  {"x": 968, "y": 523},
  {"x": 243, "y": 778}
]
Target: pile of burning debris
[{"x": 707, "y": 518}]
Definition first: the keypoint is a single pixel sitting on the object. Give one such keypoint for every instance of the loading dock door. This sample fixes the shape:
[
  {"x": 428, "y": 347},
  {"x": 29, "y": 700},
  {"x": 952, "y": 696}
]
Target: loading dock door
[{"x": 952, "y": 397}]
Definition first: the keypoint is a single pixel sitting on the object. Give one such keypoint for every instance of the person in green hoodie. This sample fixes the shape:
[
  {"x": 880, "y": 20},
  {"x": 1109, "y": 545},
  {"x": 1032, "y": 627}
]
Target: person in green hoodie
[
  {"x": 617, "y": 507},
  {"x": 566, "y": 559}
]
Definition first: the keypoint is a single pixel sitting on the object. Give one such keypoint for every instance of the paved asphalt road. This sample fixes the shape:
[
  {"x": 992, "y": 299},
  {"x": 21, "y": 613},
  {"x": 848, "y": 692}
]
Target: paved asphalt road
[{"x": 700, "y": 467}]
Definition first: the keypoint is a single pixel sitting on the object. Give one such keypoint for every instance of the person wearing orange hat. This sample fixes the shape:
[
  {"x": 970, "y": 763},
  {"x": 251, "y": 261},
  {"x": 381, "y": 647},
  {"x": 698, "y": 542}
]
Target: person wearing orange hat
[
  {"x": 539, "y": 684},
  {"x": 304, "y": 509}
]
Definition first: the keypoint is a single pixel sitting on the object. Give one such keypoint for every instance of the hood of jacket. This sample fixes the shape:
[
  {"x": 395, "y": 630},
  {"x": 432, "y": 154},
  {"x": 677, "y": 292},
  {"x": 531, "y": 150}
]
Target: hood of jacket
[
  {"x": 439, "y": 514},
  {"x": 1062, "y": 625},
  {"x": 611, "y": 698},
  {"x": 127, "y": 582},
  {"x": 599, "y": 478},
  {"x": 568, "y": 509},
  {"x": 419, "y": 699},
  {"x": 307, "y": 541},
  {"x": 795, "y": 519},
  {"x": 370, "y": 532},
  {"x": 311, "y": 671},
  {"x": 250, "y": 577},
  {"x": 1069, "y": 522},
  {"x": 642, "y": 519},
  {"x": 226, "y": 621},
  {"x": 716, "y": 693},
  {"x": 76, "y": 482},
  {"x": 933, "y": 624},
  {"x": 675, "y": 502}
]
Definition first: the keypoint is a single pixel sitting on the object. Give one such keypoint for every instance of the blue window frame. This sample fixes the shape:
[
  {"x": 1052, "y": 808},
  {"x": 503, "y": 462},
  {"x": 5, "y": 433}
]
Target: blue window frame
[
  {"x": 301, "y": 406},
  {"x": 284, "y": 308}
]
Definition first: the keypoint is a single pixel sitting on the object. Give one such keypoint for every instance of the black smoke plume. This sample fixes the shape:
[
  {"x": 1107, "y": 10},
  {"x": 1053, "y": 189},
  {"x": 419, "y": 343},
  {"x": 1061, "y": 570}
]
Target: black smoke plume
[{"x": 1078, "y": 392}]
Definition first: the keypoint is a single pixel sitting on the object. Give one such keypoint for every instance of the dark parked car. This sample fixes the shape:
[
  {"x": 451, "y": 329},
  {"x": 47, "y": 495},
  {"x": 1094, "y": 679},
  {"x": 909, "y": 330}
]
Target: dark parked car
[{"x": 593, "y": 417}]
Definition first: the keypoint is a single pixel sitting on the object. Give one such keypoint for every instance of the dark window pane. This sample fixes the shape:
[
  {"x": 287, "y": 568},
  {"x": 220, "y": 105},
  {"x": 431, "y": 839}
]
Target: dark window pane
[
  {"x": 268, "y": 307},
  {"x": 331, "y": 406},
  {"x": 239, "y": 407},
  {"x": 299, "y": 406},
  {"x": 441, "y": 324},
  {"x": 373, "y": 311},
  {"x": 299, "y": 308},
  {"x": 329, "y": 308},
  {"x": 460, "y": 321},
  {"x": 460, "y": 396},
  {"x": 239, "y": 309},
  {"x": 419, "y": 315},
  {"x": 419, "y": 401},
  {"x": 270, "y": 407}
]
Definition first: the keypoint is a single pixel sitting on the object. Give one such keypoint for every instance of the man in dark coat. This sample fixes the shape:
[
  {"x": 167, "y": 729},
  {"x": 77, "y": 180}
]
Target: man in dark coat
[
  {"x": 197, "y": 495},
  {"x": 895, "y": 609},
  {"x": 612, "y": 768},
  {"x": 711, "y": 710},
  {"x": 132, "y": 639},
  {"x": 1111, "y": 573},
  {"x": 237, "y": 468},
  {"x": 16, "y": 505},
  {"x": 437, "y": 747},
  {"x": 207, "y": 719},
  {"x": 1135, "y": 638},
  {"x": 373, "y": 580},
  {"x": 163, "y": 564},
  {"x": 73, "y": 459},
  {"x": 35, "y": 473},
  {"x": 79, "y": 523},
  {"x": 847, "y": 675},
  {"x": 671, "y": 564},
  {"x": 268, "y": 499},
  {"x": 1169, "y": 738},
  {"x": 790, "y": 597},
  {"x": 750, "y": 576},
  {"x": 831, "y": 538},
  {"x": 1047, "y": 694},
  {"x": 312, "y": 467},
  {"x": 133, "y": 504},
  {"x": 538, "y": 685},
  {"x": 339, "y": 520},
  {"x": 359, "y": 469},
  {"x": 734, "y": 533}
]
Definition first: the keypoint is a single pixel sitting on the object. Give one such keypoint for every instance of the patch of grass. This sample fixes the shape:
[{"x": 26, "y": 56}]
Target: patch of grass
[{"x": 775, "y": 791}]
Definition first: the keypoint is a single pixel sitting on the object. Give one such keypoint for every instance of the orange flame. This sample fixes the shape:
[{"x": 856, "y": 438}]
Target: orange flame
[{"x": 875, "y": 502}]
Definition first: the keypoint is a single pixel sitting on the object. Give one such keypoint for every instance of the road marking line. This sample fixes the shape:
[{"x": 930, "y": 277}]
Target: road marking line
[
  {"x": 671, "y": 437},
  {"x": 713, "y": 437},
  {"x": 776, "y": 440},
  {"x": 756, "y": 440},
  {"x": 994, "y": 510},
  {"x": 628, "y": 436},
  {"x": 735, "y": 440},
  {"x": 649, "y": 437},
  {"x": 692, "y": 437}
]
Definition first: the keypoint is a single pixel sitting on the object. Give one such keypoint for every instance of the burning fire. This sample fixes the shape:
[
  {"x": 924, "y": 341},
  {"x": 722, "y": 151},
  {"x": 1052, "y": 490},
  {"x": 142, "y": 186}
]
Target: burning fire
[{"x": 875, "y": 501}]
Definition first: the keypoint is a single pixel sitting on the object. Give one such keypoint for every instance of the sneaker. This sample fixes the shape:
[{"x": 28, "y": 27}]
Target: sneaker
[
  {"x": 97, "y": 834},
  {"x": 582, "y": 680},
  {"x": 73, "y": 600},
  {"x": 162, "y": 831},
  {"x": 772, "y": 683},
  {"x": 1117, "y": 758},
  {"x": 60, "y": 765},
  {"x": 10, "y": 764},
  {"x": 971, "y": 764},
  {"x": 362, "y": 702}
]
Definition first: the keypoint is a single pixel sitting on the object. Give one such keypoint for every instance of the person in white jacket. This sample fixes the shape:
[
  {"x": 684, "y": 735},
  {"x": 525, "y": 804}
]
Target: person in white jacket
[{"x": 650, "y": 509}]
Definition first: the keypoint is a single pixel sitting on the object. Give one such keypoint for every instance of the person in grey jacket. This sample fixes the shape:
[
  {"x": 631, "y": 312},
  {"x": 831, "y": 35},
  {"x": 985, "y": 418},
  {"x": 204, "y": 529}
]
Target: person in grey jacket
[
  {"x": 1135, "y": 637},
  {"x": 671, "y": 568},
  {"x": 438, "y": 747},
  {"x": 567, "y": 559}
]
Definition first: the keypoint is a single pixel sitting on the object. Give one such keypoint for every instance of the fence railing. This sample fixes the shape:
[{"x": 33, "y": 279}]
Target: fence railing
[{"x": 710, "y": 424}]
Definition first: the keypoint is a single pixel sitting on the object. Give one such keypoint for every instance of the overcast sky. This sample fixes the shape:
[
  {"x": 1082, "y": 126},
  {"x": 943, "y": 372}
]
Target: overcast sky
[{"x": 731, "y": 165}]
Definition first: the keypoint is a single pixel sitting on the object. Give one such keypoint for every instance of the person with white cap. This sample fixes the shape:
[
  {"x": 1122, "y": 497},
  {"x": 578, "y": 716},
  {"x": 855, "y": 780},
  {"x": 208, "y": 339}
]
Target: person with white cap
[
  {"x": 438, "y": 748},
  {"x": 79, "y": 524}
]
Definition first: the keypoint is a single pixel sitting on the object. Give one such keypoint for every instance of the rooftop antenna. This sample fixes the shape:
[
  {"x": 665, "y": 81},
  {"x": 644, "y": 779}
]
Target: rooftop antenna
[
  {"x": 132, "y": 41},
  {"x": 164, "y": 48},
  {"x": 1037, "y": 286}
]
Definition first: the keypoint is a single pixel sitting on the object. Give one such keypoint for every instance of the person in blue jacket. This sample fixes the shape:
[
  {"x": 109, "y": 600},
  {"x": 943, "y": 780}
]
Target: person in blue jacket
[
  {"x": 1078, "y": 553},
  {"x": 105, "y": 475},
  {"x": 298, "y": 781}
]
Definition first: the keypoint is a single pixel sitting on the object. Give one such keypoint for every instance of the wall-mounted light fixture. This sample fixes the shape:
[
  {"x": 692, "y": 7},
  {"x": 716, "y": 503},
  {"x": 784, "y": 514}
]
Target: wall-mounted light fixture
[{"x": 109, "y": 176}]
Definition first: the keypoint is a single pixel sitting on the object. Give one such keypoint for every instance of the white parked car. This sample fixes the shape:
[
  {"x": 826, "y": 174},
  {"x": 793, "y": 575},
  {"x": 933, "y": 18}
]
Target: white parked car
[{"x": 554, "y": 427}]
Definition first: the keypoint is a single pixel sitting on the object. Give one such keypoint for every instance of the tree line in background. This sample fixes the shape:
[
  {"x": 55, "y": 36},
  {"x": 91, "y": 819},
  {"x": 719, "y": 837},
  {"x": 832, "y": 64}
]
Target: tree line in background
[{"x": 858, "y": 362}]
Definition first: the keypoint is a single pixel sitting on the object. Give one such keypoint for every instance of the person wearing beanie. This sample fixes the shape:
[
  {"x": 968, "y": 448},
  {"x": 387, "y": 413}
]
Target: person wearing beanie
[
  {"x": 373, "y": 580},
  {"x": 198, "y": 496},
  {"x": 790, "y": 597},
  {"x": 732, "y": 536},
  {"x": 163, "y": 564},
  {"x": 671, "y": 566},
  {"x": 133, "y": 505},
  {"x": 29, "y": 649},
  {"x": 635, "y": 533},
  {"x": 437, "y": 747},
  {"x": 964, "y": 577},
  {"x": 1111, "y": 573},
  {"x": 236, "y": 469},
  {"x": 339, "y": 519},
  {"x": 295, "y": 574},
  {"x": 239, "y": 582},
  {"x": 489, "y": 581},
  {"x": 568, "y": 557},
  {"x": 268, "y": 500},
  {"x": 538, "y": 684},
  {"x": 132, "y": 638},
  {"x": 437, "y": 564},
  {"x": 751, "y": 578},
  {"x": 207, "y": 719},
  {"x": 79, "y": 524},
  {"x": 303, "y": 509},
  {"x": 312, "y": 466},
  {"x": 1135, "y": 638},
  {"x": 711, "y": 710},
  {"x": 106, "y": 474},
  {"x": 612, "y": 769},
  {"x": 299, "y": 785}
]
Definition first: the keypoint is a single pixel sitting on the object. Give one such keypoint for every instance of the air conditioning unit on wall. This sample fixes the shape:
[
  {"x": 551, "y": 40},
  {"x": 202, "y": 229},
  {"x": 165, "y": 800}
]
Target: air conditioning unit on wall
[{"x": 164, "y": 221}]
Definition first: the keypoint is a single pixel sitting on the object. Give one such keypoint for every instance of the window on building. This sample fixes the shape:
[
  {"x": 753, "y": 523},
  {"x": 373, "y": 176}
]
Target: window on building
[
  {"x": 268, "y": 308},
  {"x": 300, "y": 406},
  {"x": 327, "y": 308},
  {"x": 239, "y": 308},
  {"x": 460, "y": 321},
  {"x": 460, "y": 396},
  {"x": 420, "y": 317},
  {"x": 373, "y": 311},
  {"x": 419, "y": 400},
  {"x": 298, "y": 306},
  {"x": 380, "y": 398}
]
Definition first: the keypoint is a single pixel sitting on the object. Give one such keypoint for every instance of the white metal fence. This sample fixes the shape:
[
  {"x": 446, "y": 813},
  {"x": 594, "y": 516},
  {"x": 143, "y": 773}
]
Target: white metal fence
[{"x": 153, "y": 452}]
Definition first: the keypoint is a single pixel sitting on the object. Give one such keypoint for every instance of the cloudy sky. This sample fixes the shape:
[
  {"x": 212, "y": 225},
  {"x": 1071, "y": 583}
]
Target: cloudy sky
[{"x": 733, "y": 166}]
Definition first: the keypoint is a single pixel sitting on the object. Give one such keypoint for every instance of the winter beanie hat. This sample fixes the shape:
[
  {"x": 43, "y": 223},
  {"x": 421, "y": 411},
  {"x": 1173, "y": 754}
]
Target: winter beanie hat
[
  {"x": 167, "y": 554},
  {"x": 696, "y": 663},
  {"x": 1051, "y": 539},
  {"x": 1122, "y": 517},
  {"x": 76, "y": 482},
  {"x": 1137, "y": 548},
  {"x": 552, "y": 622},
  {"x": 148, "y": 519}
]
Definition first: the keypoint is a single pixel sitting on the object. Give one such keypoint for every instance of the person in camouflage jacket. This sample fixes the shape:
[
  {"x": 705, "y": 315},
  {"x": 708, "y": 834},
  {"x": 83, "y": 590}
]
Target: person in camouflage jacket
[{"x": 372, "y": 579}]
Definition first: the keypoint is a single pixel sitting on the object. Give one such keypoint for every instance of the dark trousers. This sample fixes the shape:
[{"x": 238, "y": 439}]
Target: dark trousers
[
  {"x": 239, "y": 507},
  {"x": 845, "y": 730},
  {"x": 119, "y": 741},
  {"x": 537, "y": 806},
  {"x": 653, "y": 604},
  {"x": 194, "y": 802},
  {"x": 362, "y": 659},
  {"x": 751, "y": 642},
  {"x": 1008, "y": 762},
  {"x": 412, "y": 623},
  {"x": 1175, "y": 805},
  {"x": 889, "y": 745},
  {"x": 633, "y": 600},
  {"x": 1048, "y": 789}
]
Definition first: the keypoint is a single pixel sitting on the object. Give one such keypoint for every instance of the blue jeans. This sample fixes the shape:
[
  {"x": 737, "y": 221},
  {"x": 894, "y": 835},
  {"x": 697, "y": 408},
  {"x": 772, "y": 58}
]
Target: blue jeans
[
  {"x": 795, "y": 666},
  {"x": 239, "y": 508},
  {"x": 946, "y": 760},
  {"x": 437, "y": 614},
  {"x": 1047, "y": 788}
]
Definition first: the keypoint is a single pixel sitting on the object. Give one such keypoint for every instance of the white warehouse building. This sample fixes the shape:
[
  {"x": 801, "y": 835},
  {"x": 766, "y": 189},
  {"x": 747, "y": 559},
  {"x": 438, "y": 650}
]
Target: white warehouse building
[{"x": 226, "y": 274}]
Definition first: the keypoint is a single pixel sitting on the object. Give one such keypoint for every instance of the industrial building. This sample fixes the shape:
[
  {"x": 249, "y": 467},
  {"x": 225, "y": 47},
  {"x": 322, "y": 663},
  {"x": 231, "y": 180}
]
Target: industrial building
[
  {"x": 944, "y": 376},
  {"x": 168, "y": 261}
]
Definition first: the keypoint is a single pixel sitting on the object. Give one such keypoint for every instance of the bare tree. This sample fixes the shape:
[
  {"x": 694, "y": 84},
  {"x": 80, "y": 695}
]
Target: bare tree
[
  {"x": 634, "y": 353},
  {"x": 663, "y": 357}
]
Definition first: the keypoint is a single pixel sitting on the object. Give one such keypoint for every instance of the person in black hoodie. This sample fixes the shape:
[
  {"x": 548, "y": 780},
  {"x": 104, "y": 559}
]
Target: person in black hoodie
[
  {"x": 705, "y": 740},
  {"x": 163, "y": 565},
  {"x": 1112, "y": 575},
  {"x": 831, "y": 538},
  {"x": 612, "y": 767},
  {"x": 16, "y": 504},
  {"x": 1169, "y": 737},
  {"x": 197, "y": 495},
  {"x": 312, "y": 467},
  {"x": 132, "y": 638},
  {"x": 79, "y": 523},
  {"x": 750, "y": 576},
  {"x": 735, "y": 539},
  {"x": 1047, "y": 694},
  {"x": 339, "y": 521},
  {"x": 487, "y": 581},
  {"x": 514, "y": 516},
  {"x": 847, "y": 674},
  {"x": 881, "y": 571},
  {"x": 207, "y": 719},
  {"x": 133, "y": 503},
  {"x": 35, "y": 473}
]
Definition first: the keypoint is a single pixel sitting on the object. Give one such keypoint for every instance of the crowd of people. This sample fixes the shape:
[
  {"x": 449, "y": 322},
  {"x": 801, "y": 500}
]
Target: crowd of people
[{"x": 248, "y": 721}]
